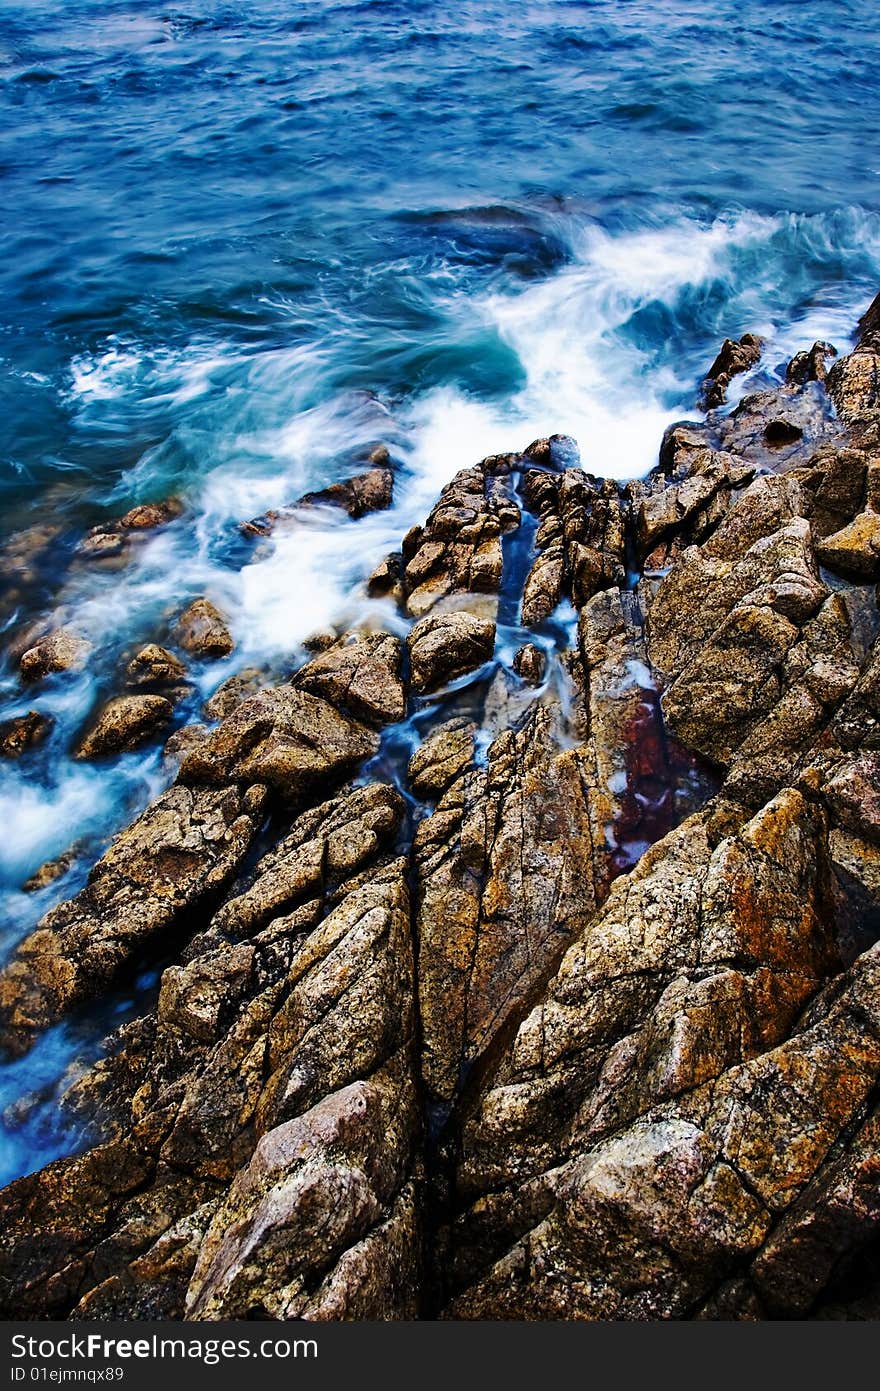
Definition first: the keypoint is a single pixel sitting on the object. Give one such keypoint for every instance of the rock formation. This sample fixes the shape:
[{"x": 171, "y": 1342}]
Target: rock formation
[{"x": 525, "y": 966}]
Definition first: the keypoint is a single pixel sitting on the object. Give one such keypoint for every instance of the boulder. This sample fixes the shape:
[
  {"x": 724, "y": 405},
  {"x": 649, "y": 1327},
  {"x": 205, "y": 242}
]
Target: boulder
[
  {"x": 733, "y": 358},
  {"x": 125, "y": 723},
  {"x": 285, "y": 738},
  {"x": 23, "y": 732},
  {"x": 202, "y": 631},
  {"x": 445, "y": 646},
  {"x": 154, "y": 668},
  {"x": 62, "y": 649}
]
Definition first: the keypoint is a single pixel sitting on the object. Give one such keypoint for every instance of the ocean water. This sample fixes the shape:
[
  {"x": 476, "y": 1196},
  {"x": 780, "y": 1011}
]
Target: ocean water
[{"x": 243, "y": 243}]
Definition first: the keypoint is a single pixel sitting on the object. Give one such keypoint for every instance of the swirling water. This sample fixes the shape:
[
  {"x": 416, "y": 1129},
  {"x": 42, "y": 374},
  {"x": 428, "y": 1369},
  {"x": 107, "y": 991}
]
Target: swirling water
[{"x": 245, "y": 242}]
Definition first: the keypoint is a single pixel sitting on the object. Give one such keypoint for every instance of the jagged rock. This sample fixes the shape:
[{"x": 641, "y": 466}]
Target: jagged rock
[
  {"x": 580, "y": 542},
  {"x": 324, "y": 847},
  {"x": 855, "y": 549},
  {"x": 201, "y": 630},
  {"x": 23, "y": 732},
  {"x": 386, "y": 581},
  {"x": 52, "y": 870},
  {"x": 154, "y": 668},
  {"x": 232, "y": 692},
  {"x": 360, "y": 673},
  {"x": 366, "y": 492},
  {"x": 733, "y": 358},
  {"x": 113, "y": 539},
  {"x": 291, "y": 741},
  {"x": 810, "y": 366},
  {"x": 183, "y": 741},
  {"x": 505, "y": 877},
  {"x": 441, "y": 758},
  {"x": 175, "y": 857},
  {"x": 60, "y": 650},
  {"x": 278, "y": 1068},
  {"x": 445, "y": 646},
  {"x": 555, "y": 452},
  {"x": 626, "y": 1159},
  {"x": 125, "y": 723},
  {"x": 530, "y": 663},
  {"x": 643, "y": 1074},
  {"x": 458, "y": 550}
]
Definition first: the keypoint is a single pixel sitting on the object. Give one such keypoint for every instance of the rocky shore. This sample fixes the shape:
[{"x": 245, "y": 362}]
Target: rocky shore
[{"x": 522, "y": 967}]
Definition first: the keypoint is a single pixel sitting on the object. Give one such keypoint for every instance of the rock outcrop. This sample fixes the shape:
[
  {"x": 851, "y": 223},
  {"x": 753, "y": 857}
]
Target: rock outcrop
[{"x": 523, "y": 962}]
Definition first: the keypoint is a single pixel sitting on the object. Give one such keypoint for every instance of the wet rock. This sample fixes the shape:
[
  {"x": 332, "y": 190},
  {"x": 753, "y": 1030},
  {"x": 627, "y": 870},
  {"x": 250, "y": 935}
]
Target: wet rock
[
  {"x": 733, "y": 358},
  {"x": 52, "y": 870},
  {"x": 154, "y": 668},
  {"x": 530, "y": 663},
  {"x": 366, "y": 492},
  {"x": 581, "y": 540},
  {"x": 114, "y": 540},
  {"x": 447, "y": 646},
  {"x": 505, "y": 878},
  {"x": 202, "y": 631},
  {"x": 232, "y": 692},
  {"x": 291, "y": 741},
  {"x": 125, "y": 723},
  {"x": 854, "y": 381},
  {"x": 441, "y": 758},
  {"x": 273, "y": 1080},
  {"x": 183, "y": 741},
  {"x": 619, "y": 1163},
  {"x": 324, "y": 848},
  {"x": 386, "y": 581},
  {"x": 60, "y": 650},
  {"x": 23, "y": 732},
  {"x": 174, "y": 858},
  {"x": 555, "y": 452},
  {"x": 810, "y": 366},
  {"x": 855, "y": 549},
  {"x": 360, "y": 673},
  {"x": 458, "y": 551}
]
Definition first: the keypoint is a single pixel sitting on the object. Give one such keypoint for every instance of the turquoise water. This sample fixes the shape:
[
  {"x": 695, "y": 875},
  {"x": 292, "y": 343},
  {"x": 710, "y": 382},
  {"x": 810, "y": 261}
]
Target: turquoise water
[{"x": 244, "y": 243}]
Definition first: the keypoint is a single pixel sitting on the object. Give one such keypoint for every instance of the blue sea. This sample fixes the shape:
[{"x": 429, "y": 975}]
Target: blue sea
[{"x": 244, "y": 243}]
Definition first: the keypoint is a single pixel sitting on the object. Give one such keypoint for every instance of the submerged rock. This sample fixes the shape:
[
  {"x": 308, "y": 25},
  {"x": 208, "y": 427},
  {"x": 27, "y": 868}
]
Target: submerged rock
[{"x": 23, "y": 732}]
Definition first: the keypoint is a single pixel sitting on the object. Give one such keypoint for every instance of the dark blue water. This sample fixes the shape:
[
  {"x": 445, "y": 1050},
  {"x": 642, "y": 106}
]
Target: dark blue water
[{"x": 244, "y": 242}]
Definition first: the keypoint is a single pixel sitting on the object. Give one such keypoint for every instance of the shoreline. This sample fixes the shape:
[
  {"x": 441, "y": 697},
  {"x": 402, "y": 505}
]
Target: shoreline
[{"x": 517, "y": 961}]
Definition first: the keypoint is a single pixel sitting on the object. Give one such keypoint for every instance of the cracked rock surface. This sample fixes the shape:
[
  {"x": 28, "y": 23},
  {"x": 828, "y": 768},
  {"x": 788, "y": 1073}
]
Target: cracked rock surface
[{"x": 517, "y": 957}]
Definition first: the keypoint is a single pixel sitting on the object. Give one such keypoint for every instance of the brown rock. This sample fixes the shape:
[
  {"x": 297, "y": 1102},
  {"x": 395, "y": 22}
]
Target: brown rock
[
  {"x": 202, "y": 631},
  {"x": 810, "y": 366},
  {"x": 360, "y": 673},
  {"x": 366, "y": 492},
  {"x": 60, "y": 650},
  {"x": 855, "y": 549},
  {"x": 125, "y": 723},
  {"x": 291, "y": 741},
  {"x": 530, "y": 662},
  {"x": 232, "y": 692},
  {"x": 444, "y": 755},
  {"x": 23, "y": 732},
  {"x": 154, "y": 668},
  {"x": 178, "y": 854},
  {"x": 733, "y": 358},
  {"x": 447, "y": 646}
]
